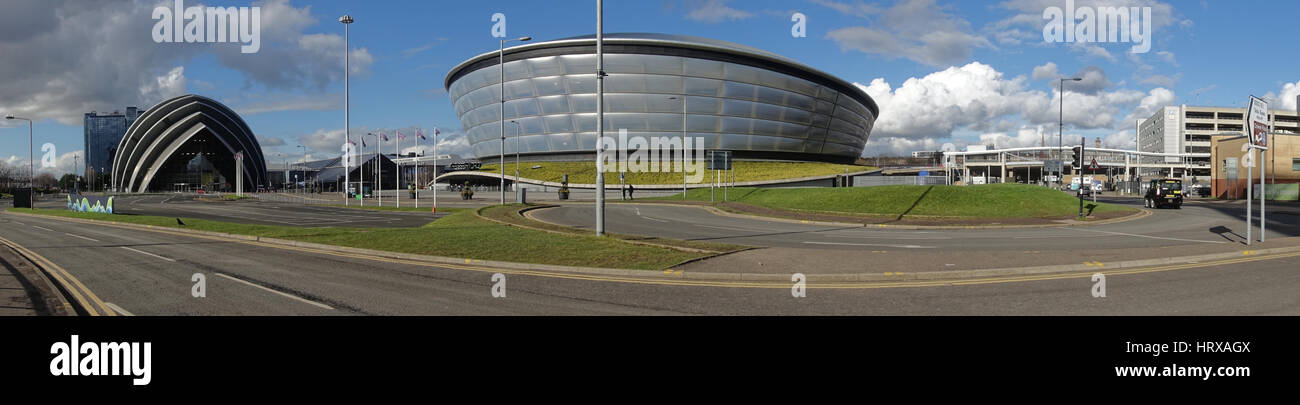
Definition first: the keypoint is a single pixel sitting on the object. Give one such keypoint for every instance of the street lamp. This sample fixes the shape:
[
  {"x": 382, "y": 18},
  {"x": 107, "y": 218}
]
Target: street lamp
[
  {"x": 1060, "y": 134},
  {"x": 31, "y": 168},
  {"x": 501, "y": 68},
  {"x": 518, "y": 132},
  {"x": 347, "y": 106},
  {"x": 683, "y": 157}
]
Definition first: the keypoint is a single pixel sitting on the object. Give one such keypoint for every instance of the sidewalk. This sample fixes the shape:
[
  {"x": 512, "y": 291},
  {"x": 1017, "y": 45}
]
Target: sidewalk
[
  {"x": 894, "y": 261},
  {"x": 22, "y": 288}
]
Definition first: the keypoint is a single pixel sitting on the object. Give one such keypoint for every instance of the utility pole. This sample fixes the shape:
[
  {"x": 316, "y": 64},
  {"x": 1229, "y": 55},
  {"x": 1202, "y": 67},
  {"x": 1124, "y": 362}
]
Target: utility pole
[{"x": 600, "y": 118}]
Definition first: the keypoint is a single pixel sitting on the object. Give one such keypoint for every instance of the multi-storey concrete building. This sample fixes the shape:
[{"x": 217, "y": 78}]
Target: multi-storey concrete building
[{"x": 1187, "y": 130}]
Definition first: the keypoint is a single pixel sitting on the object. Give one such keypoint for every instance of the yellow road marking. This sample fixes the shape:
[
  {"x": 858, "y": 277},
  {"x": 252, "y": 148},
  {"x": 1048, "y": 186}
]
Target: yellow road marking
[{"x": 84, "y": 297}]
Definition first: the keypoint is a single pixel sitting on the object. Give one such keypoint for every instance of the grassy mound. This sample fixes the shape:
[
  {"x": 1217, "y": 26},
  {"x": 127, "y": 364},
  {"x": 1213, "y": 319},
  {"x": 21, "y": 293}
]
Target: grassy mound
[{"x": 983, "y": 201}]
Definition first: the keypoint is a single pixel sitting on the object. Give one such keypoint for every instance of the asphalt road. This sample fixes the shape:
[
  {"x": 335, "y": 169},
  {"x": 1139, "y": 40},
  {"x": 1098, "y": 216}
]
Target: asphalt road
[
  {"x": 1195, "y": 224},
  {"x": 148, "y": 273}
]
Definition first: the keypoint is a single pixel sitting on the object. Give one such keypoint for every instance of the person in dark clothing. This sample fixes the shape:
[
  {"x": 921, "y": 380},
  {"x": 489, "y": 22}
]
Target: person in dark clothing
[{"x": 630, "y": 189}]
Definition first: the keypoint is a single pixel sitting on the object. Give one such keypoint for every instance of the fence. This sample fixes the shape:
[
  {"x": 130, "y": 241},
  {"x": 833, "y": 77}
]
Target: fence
[{"x": 872, "y": 181}]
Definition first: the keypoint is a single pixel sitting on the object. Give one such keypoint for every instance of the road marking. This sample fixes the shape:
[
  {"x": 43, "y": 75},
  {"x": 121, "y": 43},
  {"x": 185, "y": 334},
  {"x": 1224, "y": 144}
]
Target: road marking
[
  {"x": 41, "y": 227},
  {"x": 723, "y": 284},
  {"x": 1151, "y": 237},
  {"x": 82, "y": 237},
  {"x": 1093, "y": 264},
  {"x": 655, "y": 219},
  {"x": 291, "y": 296},
  {"x": 82, "y": 295},
  {"x": 118, "y": 309},
  {"x": 870, "y": 244},
  {"x": 147, "y": 253},
  {"x": 20, "y": 223}
]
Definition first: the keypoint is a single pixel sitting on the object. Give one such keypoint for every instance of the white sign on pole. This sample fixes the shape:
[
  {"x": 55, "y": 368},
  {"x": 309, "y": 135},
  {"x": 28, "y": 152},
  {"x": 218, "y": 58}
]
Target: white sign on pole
[{"x": 1257, "y": 124}]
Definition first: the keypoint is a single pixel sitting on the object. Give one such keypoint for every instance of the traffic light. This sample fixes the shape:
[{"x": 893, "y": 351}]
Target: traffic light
[{"x": 1077, "y": 161}]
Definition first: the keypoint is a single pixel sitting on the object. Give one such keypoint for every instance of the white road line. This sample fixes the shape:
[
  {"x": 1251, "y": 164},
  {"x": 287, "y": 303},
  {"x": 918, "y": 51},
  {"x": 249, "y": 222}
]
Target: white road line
[
  {"x": 278, "y": 292},
  {"x": 118, "y": 309},
  {"x": 82, "y": 237},
  {"x": 655, "y": 219},
  {"x": 1152, "y": 237},
  {"x": 148, "y": 254},
  {"x": 886, "y": 237},
  {"x": 871, "y": 244},
  {"x": 41, "y": 227}
]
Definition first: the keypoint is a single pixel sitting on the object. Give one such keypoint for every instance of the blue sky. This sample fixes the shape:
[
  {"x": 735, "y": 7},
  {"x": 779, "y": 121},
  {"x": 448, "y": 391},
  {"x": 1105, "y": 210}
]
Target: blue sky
[{"x": 944, "y": 72}]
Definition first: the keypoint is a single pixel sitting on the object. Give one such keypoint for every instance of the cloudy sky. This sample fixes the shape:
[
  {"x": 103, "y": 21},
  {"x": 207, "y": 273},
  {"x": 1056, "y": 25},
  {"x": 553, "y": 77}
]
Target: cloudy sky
[{"x": 943, "y": 72}]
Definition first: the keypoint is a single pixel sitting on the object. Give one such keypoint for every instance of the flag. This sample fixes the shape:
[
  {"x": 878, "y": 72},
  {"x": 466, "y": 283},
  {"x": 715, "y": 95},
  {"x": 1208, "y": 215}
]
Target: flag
[
  {"x": 400, "y": 136},
  {"x": 435, "y": 131},
  {"x": 383, "y": 137},
  {"x": 363, "y": 142},
  {"x": 420, "y": 134}
]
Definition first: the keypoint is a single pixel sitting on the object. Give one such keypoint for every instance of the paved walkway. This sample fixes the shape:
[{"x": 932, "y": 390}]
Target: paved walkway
[{"x": 17, "y": 298}]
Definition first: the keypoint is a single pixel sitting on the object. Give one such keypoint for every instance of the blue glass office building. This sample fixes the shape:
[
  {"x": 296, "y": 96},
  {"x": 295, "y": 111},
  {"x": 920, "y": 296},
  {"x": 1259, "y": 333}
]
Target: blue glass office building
[
  {"x": 102, "y": 133},
  {"x": 755, "y": 103}
]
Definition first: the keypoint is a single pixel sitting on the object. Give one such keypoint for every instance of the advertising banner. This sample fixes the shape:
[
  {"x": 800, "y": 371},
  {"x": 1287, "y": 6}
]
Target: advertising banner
[{"x": 82, "y": 203}]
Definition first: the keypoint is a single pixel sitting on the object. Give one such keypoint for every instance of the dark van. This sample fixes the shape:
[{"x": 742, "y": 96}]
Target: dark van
[{"x": 1165, "y": 193}]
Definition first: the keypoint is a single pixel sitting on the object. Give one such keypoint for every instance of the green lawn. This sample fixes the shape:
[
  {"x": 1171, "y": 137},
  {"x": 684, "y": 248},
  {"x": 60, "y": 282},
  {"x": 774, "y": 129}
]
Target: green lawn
[
  {"x": 585, "y": 172},
  {"x": 983, "y": 201},
  {"x": 461, "y": 234}
]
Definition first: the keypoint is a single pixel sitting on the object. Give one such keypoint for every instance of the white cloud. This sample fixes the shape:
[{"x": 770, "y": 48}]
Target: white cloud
[
  {"x": 1286, "y": 99},
  {"x": 1023, "y": 138},
  {"x": 60, "y": 65},
  {"x": 971, "y": 96},
  {"x": 1047, "y": 71},
  {"x": 918, "y": 30},
  {"x": 715, "y": 11},
  {"x": 976, "y": 97}
]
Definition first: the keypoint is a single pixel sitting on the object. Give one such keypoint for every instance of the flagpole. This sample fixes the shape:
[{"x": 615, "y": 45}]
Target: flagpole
[
  {"x": 418, "y": 134},
  {"x": 397, "y": 188},
  {"x": 435, "y": 170}
]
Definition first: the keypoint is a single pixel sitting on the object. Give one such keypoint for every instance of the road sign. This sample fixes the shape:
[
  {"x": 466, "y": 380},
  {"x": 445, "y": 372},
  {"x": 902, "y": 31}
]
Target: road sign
[
  {"x": 1093, "y": 166},
  {"x": 1257, "y": 122},
  {"x": 717, "y": 159}
]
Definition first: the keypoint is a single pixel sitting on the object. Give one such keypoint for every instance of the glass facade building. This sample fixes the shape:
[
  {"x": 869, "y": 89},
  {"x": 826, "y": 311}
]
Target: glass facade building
[
  {"x": 755, "y": 103},
  {"x": 185, "y": 143},
  {"x": 102, "y": 133}
]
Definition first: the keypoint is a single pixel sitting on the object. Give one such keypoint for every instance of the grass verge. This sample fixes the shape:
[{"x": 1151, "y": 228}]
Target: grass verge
[
  {"x": 916, "y": 202},
  {"x": 461, "y": 234}
]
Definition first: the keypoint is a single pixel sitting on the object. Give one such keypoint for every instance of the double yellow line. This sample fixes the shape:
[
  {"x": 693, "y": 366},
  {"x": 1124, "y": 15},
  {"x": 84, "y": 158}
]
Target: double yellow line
[{"x": 80, "y": 296}]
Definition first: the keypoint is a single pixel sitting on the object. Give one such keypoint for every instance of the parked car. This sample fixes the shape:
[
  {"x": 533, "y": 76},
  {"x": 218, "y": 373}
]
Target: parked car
[{"x": 1164, "y": 193}]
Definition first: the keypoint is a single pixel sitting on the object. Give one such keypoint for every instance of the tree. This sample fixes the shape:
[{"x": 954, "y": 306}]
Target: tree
[
  {"x": 68, "y": 181},
  {"x": 45, "y": 181}
]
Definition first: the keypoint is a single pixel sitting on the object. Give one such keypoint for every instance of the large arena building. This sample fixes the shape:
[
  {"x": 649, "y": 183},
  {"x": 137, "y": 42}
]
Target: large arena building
[
  {"x": 755, "y": 103},
  {"x": 187, "y": 143}
]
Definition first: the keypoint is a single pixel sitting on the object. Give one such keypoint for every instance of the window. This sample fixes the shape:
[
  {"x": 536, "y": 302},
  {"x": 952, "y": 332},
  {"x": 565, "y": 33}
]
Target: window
[{"x": 1295, "y": 164}]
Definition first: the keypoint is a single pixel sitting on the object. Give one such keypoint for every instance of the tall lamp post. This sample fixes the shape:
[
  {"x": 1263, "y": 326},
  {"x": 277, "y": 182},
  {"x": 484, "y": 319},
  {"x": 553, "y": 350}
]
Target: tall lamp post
[
  {"x": 347, "y": 105},
  {"x": 501, "y": 68},
  {"x": 1060, "y": 134},
  {"x": 31, "y": 168}
]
